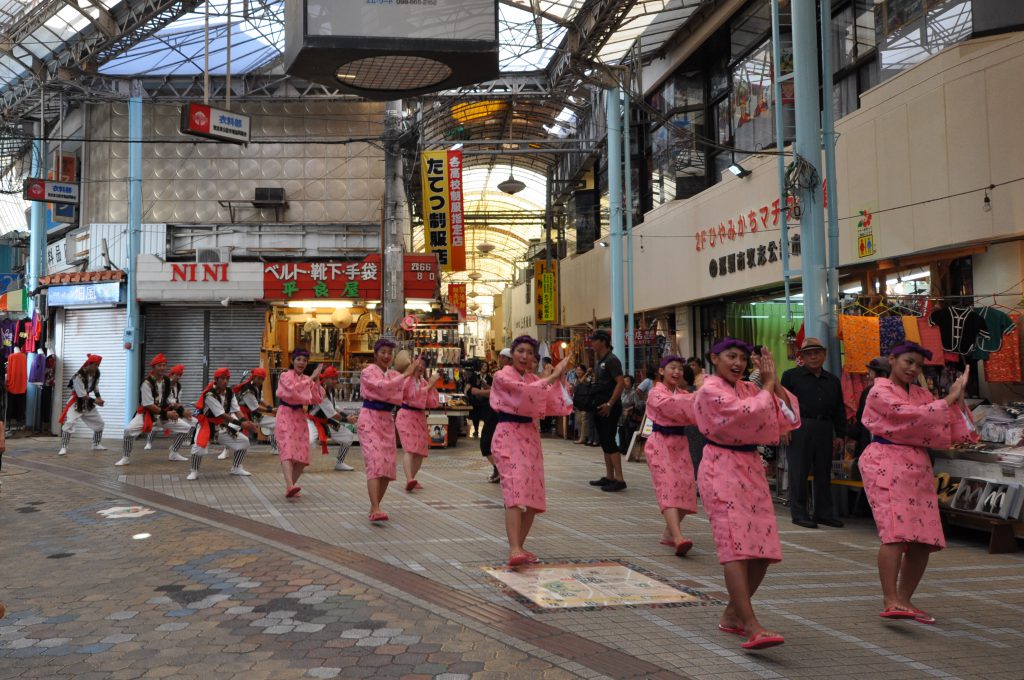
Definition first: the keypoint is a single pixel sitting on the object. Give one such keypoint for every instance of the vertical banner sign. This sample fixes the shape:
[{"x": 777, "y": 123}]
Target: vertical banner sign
[
  {"x": 866, "y": 245},
  {"x": 457, "y": 298},
  {"x": 442, "y": 208},
  {"x": 545, "y": 284}
]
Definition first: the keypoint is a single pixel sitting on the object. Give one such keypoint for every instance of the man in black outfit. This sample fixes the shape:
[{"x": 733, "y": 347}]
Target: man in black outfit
[
  {"x": 490, "y": 418},
  {"x": 812, "y": 446},
  {"x": 608, "y": 385}
]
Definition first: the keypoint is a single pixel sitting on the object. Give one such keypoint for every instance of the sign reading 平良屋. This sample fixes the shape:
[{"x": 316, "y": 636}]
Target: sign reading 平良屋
[
  {"x": 444, "y": 230},
  {"x": 206, "y": 121}
]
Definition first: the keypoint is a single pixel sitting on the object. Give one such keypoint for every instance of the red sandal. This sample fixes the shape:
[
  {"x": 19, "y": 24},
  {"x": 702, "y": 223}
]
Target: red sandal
[{"x": 763, "y": 640}]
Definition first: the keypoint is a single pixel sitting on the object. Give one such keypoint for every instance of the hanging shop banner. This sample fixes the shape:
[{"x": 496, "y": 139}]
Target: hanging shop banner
[
  {"x": 866, "y": 244},
  {"x": 457, "y": 298},
  {"x": 545, "y": 284},
  {"x": 346, "y": 280},
  {"x": 444, "y": 235},
  {"x": 206, "y": 121},
  {"x": 50, "y": 192},
  {"x": 13, "y": 300}
]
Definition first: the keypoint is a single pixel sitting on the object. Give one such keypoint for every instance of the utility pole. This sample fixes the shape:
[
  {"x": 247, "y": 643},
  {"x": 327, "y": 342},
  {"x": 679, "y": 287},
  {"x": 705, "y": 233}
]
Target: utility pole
[
  {"x": 828, "y": 140},
  {"x": 131, "y": 332},
  {"x": 393, "y": 303},
  {"x": 628, "y": 208},
  {"x": 614, "y": 105},
  {"x": 808, "y": 155}
]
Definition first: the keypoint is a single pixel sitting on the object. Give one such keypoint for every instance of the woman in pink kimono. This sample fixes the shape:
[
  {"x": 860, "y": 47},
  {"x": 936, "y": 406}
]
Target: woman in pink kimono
[
  {"x": 668, "y": 451},
  {"x": 905, "y": 420},
  {"x": 381, "y": 389},
  {"x": 736, "y": 416},
  {"x": 519, "y": 397},
  {"x": 418, "y": 394},
  {"x": 295, "y": 391}
]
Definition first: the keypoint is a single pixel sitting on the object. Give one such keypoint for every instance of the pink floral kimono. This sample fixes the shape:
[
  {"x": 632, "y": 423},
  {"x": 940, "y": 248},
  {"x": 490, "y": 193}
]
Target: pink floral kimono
[
  {"x": 412, "y": 417},
  {"x": 732, "y": 482},
  {"x": 896, "y": 468},
  {"x": 518, "y": 401},
  {"x": 291, "y": 430},
  {"x": 381, "y": 393},
  {"x": 668, "y": 451}
]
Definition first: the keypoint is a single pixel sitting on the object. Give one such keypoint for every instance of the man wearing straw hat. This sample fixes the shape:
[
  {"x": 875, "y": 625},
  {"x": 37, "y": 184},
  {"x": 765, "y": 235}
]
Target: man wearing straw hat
[{"x": 819, "y": 437}]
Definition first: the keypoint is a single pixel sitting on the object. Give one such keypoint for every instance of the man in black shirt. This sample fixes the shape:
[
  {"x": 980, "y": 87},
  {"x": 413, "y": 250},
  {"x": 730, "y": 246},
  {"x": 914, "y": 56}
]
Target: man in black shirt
[
  {"x": 608, "y": 385},
  {"x": 811, "y": 447}
]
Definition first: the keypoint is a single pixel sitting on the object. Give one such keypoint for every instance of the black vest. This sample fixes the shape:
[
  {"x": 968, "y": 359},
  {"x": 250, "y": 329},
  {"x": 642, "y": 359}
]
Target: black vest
[
  {"x": 226, "y": 402},
  {"x": 162, "y": 403}
]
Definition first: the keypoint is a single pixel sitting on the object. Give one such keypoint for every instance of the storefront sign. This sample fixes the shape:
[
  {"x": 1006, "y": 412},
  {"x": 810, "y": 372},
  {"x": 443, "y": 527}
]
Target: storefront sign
[
  {"x": 50, "y": 192},
  {"x": 56, "y": 257},
  {"x": 190, "y": 272},
  {"x": 13, "y": 301},
  {"x": 546, "y": 291},
  {"x": 346, "y": 280},
  {"x": 750, "y": 258},
  {"x": 206, "y": 121},
  {"x": 754, "y": 221},
  {"x": 85, "y": 294},
  {"x": 866, "y": 246},
  {"x": 457, "y": 298},
  {"x": 9, "y": 281},
  {"x": 441, "y": 173}
]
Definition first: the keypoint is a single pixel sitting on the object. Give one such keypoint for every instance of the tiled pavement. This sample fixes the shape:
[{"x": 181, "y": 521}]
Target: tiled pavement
[{"x": 243, "y": 568}]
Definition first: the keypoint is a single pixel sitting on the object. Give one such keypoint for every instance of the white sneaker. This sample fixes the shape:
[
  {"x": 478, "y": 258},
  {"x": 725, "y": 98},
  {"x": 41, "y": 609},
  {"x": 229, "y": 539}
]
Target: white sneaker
[
  {"x": 125, "y": 460},
  {"x": 175, "y": 456},
  {"x": 193, "y": 475},
  {"x": 240, "y": 471},
  {"x": 147, "y": 447},
  {"x": 99, "y": 447},
  {"x": 62, "y": 452},
  {"x": 223, "y": 455},
  {"x": 273, "y": 452},
  {"x": 343, "y": 467}
]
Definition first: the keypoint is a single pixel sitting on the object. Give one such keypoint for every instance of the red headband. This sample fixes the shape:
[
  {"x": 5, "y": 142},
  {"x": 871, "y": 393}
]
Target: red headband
[{"x": 158, "y": 359}]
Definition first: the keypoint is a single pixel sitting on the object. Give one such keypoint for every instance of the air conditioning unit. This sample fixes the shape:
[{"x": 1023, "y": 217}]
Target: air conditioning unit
[
  {"x": 269, "y": 197},
  {"x": 210, "y": 255}
]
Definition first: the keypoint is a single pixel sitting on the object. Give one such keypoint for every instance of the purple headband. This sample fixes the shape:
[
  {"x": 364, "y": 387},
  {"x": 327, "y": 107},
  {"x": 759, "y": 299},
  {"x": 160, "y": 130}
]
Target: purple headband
[
  {"x": 727, "y": 343},
  {"x": 383, "y": 342},
  {"x": 669, "y": 359},
  {"x": 908, "y": 347},
  {"x": 300, "y": 352},
  {"x": 529, "y": 341}
]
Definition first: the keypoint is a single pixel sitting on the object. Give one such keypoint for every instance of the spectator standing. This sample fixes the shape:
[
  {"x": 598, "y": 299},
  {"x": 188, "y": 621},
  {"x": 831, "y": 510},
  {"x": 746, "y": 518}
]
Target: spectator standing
[
  {"x": 697, "y": 366},
  {"x": 608, "y": 385},
  {"x": 820, "y": 435},
  {"x": 632, "y": 415},
  {"x": 755, "y": 375},
  {"x": 483, "y": 393},
  {"x": 877, "y": 368}
]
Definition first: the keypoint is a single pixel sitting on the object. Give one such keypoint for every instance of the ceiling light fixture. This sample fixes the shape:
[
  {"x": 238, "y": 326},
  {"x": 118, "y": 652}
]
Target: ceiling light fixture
[
  {"x": 484, "y": 247},
  {"x": 511, "y": 186},
  {"x": 739, "y": 170},
  {"x": 476, "y": 276},
  {"x": 986, "y": 203}
]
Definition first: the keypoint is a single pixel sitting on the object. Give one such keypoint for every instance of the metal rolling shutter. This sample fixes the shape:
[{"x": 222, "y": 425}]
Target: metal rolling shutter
[
  {"x": 97, "y": 331},
  {"x": 235, "y": 337},
  {"x": 180, "y": 333}
]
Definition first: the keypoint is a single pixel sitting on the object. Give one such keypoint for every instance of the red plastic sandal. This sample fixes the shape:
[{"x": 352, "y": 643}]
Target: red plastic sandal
[
  {"x": 378, "y": 517},
  {"x": 683, "y": 547},
  {"x": 898, "y": 612},
  {"x": 732, "y": 630},
  {"x": 292, "y": 491},
  {"x": 763, "y": 640}
]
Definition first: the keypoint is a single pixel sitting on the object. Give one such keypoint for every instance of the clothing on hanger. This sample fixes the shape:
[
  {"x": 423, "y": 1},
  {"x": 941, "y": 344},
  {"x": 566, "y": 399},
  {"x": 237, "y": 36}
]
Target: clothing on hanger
[
  {"x": 890, "y": 333},
  {"x": 36, "y": 368},
  {"x": 960, "y": 328},
  {"x": 861, "y": 341},
  {"x": 997, "y": 325},
  {"x": 1004, "y": 364},
  {"x": 931, "y": 339},
  {"x": 17, "y": 373}
]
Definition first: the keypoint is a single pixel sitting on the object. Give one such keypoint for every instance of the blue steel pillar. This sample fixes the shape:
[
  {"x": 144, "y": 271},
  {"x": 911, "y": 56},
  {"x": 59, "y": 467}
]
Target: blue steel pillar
[
  {"x": 131, "y": 334},
  {"x": 780, "y": 144},
  {"x": 614, "y": 102},
  {"x": 828, "y": 139},
  {"x": 628, "y": 202},
  {"x": 36, "y": 265},
  {"x": 808, "y": 147}
]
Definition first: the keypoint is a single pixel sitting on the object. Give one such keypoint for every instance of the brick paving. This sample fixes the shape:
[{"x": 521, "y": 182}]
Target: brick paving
[{"x": 422, "y": 574}]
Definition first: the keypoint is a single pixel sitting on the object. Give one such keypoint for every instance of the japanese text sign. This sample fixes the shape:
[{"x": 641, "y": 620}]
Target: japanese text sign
[
  {"x": 443, "y": 224},
  {"x": 546, "y": 287},
  {"x": 346, "y": 280},
  {"x": 457, "y": 298},
  {"x": 51, "y": 192},
  {"x": 206, "y": 121}
]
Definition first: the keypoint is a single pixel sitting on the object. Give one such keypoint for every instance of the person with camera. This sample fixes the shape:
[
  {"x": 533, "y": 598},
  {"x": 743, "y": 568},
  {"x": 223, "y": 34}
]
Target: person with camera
[
  {"x": 609, "y": 382},
  {"x": 219, "y": 419},
  {"x": 154, "y": 409}
]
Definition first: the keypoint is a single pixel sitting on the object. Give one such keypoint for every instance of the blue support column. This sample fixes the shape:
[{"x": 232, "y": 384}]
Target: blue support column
[
  {"x": 808, "y": 148},
  {"x": 628, "y": 203},
  {"x": 828, "y": 139},
  {"x": 780, "y": 144},
  {"x": 36, "y": 265},
  {"x": 131, "y": 336},
  {"x": 614, "y": 102}
]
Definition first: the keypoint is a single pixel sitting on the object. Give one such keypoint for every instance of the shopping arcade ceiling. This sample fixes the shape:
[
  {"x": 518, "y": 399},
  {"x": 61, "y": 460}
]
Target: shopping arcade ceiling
[{"x": 552, "y": 52}]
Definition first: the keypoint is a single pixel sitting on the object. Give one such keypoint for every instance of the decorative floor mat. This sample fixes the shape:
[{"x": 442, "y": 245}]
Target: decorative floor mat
[{"x": 591, "y": 585}]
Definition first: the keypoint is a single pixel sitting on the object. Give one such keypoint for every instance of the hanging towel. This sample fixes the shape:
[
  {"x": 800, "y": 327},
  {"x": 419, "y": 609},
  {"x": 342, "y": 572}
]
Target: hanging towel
[
  {"x": 931, "y": 339},
  {"x": 861, "y": 341},
  {"x": 910, "y": 331},
  {"x": 1004, "y": 365},
  {"x": 891, "y": 333}
]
